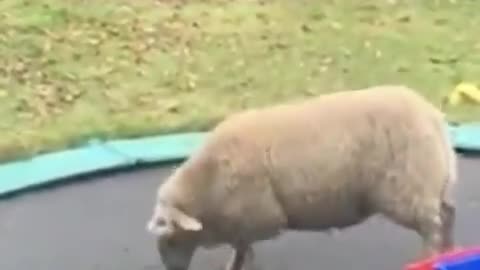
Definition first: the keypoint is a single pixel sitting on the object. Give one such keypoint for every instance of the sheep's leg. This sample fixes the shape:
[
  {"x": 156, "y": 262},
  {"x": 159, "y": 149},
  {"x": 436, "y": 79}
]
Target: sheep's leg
[
  {"x": 448, "y": 213},
  {"x": 437, "y": 231},
  {"x": 241, "y": 259},
  {"x": 427, "y": 221},
  {"x": 431, "y": 234}
]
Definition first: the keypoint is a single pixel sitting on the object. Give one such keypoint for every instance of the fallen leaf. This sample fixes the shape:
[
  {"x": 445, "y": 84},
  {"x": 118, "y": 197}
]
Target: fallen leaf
[
  {"x": 149, "y": 29},
  {"x": 327, "y": 60},
  {"x": 368, "y": 7},
  {"x": 69, "y": 98},
  {"x": 57, "y": 110},
  {"x": 262, "y": 17},
  {"x": 346, "y": 52},
  {"x": 404, "y": 18},
  {"x": 47, "y": 46},
  {"x": 306, "y": 28},
  {"x": 444, "y": 60},
  {"x": 318, "y": 16},
  {"x": 141, "y": 72},
  {"x": 336, "y": 25},
  {"x": 402, "y": 68},
  {"x": 240, "y": 63},
  {"x": 151, "y": 41},
  {"x": 173, "y": 107},
  {"x": 70, "y": 76},
  {"x": 25, "y": 115},
  {"x": 93, "y": 41},
  {"x": 3, "y": 93},
  {"x": 440, "y": 21},
  {"x": 309, "y": 92},
  {"x": 192, "y": 84}
]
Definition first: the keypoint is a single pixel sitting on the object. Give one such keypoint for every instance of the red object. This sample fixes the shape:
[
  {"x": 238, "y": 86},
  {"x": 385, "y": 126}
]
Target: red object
[{"x": 429, "y": 263}]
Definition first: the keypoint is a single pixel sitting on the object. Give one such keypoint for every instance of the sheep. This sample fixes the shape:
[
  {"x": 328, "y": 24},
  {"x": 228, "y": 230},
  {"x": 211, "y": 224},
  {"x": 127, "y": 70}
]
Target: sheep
[{"x": 326, "y": 162}]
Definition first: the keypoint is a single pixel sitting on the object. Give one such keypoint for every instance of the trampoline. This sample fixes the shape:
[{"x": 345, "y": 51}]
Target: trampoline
[{"x": 98, "y": 224}]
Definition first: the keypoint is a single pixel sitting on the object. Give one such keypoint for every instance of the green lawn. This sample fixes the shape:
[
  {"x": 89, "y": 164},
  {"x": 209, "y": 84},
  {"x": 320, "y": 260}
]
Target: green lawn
[{"x": 71, "y": 70}]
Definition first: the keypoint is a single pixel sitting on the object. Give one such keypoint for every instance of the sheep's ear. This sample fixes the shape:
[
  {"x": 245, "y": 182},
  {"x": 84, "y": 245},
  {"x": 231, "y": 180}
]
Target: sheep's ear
[{"x": 184, "y": 221}]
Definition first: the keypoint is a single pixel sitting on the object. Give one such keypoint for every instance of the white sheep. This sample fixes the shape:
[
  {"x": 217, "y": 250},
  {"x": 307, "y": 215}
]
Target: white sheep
[{"x": 328, "y": 162}]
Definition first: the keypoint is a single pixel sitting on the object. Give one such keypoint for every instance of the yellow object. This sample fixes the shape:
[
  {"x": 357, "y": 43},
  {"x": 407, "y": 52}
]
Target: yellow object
[{"x": 464, "y": 92}]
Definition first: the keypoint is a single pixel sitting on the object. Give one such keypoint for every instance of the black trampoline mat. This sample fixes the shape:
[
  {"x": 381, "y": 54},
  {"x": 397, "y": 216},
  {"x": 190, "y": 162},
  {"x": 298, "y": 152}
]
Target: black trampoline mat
[{"x": 100, "y": 224}]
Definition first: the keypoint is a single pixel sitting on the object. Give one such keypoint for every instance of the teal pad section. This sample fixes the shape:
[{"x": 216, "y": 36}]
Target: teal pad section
[
  {"x": 55, "y": 166},
  {"x": 158, "y": 148},
  {"x": 110, "y": 155},
  {"x": 466, "y": 137},
  {"x": 93, "y": 157}
]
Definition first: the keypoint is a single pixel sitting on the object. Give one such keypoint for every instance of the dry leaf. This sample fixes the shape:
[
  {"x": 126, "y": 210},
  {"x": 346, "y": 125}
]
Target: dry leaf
[
  {"x": 93, "y": 41},
  {"x": 172, "y": 106},
  {"x": 336, "y": 25},
  {"x": 3, "y": 93},
  {"x": 47, "y": 46}
]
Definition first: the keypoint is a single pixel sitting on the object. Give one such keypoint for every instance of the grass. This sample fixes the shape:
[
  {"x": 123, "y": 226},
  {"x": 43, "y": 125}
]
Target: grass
[{"x": 72, "y": 70}]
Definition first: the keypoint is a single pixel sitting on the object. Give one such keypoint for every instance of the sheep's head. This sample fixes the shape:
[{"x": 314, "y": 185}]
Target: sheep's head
[{"x": 175, "y": 232}]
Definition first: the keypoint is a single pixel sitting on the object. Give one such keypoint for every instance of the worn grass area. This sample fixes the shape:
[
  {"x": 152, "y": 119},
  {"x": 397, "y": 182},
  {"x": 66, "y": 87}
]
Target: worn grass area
[{"x": 71, "y": 70}]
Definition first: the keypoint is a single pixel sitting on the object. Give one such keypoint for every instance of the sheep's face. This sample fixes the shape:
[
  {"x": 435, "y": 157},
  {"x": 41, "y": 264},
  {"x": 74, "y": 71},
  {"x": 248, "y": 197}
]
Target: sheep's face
[
  {"x": 175, "y": 232},
  {"x": 176, "y": 251}
]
